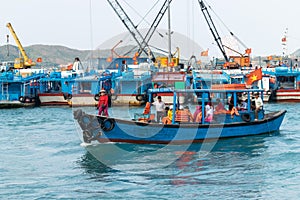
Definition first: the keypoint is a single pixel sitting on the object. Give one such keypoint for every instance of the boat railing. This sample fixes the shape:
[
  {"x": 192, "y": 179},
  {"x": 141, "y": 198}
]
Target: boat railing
[{"x": 211, "y": 96}]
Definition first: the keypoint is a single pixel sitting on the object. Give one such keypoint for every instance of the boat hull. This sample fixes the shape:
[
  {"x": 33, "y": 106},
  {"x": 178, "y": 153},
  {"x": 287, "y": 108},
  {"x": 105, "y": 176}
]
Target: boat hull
[
  {"x": 292, "y": 95},
  {"x": 83, "y": 100},
  {"x": 14, "y": 104},
  {"x": 104, "y": 130},
  {"x": 53, "y": 99}
]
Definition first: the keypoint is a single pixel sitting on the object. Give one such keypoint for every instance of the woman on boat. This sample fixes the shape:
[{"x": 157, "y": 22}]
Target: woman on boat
[
  {"x": 197, "y": 111},
  {"x": 219, "y": 108},
  {"x": 209, "y": 112},
  {"x": 168, "y": 119},
  {"x": 103, "y": 103}
]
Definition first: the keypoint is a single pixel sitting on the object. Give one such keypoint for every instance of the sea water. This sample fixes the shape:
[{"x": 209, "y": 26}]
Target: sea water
[{"x": 41, "y": 157}]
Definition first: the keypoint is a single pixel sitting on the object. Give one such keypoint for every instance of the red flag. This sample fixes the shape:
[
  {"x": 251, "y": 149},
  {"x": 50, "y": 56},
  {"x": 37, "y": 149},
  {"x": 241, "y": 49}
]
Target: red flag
[
  {"x": 283, "y": 39},
  {"x": 248, "y": 51},
  {"x": 39, "y": 59},
  {"x": 254, "y": 76}
]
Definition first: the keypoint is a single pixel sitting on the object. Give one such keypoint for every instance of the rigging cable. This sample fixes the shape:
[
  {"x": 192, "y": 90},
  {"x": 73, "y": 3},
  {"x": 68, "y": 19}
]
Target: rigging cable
[{"x": 231, "y": 33}]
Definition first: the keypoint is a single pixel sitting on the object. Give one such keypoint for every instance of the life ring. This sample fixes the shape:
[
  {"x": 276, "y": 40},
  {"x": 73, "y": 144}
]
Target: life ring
[
  {"x": 27, "y": 99},
  {"x": 32, "y": 99},
  {"x": 69, "y": 96},
  {"x": 84, "y": 121},
  {"x": 108, "y": 124},
  {"x": 139, "y": 97},
  {"x": 87, "y": 136},
  {"x": 96, "y": 97},
  {"x": 21, "y": 99},
  {"x": 246, "y": 117}
]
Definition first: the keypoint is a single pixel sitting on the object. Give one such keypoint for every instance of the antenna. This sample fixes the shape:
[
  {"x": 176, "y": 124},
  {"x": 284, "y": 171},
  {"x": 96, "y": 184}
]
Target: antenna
[{"x": 284, "y": 43}]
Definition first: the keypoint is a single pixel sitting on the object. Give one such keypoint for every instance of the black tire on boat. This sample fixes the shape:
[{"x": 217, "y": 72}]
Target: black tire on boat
[
  {"x": 27, "y": 99},
  {"x": 113, "y": 97},
  {"x": 21, "y": 99},
  {"x": 84, "y": 121},
  {"x": 69, "y": 96},
  {"x": 87, "y": 136},
  {"x": 96, "y": 97},
  {"x": 246, "y": 117},
  {"x": 108, "y": 124},
  {"x": 139, "y": 97}
]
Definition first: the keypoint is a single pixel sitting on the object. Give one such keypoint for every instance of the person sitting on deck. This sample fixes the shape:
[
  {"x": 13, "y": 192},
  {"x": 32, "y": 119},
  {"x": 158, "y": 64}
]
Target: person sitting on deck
[
  {"x": 243, "y": 105},
  {"x": 231, "y": 103},
  {"x": 219, "y": 107},
  {"x": 168, "y": 119},
  {"x": 209, "y": 112},
  {"x": 184, "y": 115},
  {"x": 196, "y": 113}
]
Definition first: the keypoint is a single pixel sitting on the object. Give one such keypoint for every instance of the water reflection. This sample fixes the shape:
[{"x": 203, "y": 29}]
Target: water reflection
[{"x": 197, "y": 157}]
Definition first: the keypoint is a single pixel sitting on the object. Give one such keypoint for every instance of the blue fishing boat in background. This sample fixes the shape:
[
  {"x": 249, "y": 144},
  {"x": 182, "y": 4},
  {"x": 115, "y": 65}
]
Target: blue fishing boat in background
[
  {"x": 283, "y": 83},
  {"x": 222, "y": 125},
  {"x": 19, "y": 88}
]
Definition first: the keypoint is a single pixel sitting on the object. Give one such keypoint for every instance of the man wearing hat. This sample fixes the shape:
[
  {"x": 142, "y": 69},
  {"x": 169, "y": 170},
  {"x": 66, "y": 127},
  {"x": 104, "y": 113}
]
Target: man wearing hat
[{"x": 103, "y": 103}]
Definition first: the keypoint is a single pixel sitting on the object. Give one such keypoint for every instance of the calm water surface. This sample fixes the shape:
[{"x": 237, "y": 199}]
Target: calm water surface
[{"x": 41, "y": 158}]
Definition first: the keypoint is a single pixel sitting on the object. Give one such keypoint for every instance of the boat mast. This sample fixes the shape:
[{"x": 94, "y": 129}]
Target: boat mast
[
  {"x": 284, "y": 44},
  {"x": 169, "y": 33}
]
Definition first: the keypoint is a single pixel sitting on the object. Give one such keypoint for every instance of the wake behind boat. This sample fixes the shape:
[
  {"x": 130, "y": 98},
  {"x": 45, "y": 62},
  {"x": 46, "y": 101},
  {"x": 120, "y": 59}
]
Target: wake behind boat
[{"x": 223, "y": 124}]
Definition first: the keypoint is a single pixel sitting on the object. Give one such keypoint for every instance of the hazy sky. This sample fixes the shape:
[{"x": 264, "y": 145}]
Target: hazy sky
[{"x": 85, "y": 24}]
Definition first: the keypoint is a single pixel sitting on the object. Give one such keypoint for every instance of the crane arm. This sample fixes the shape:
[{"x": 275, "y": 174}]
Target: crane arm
[
  {"x": 154, "y": 25},
  {"x": 128, "y": 23},
  {"x": 213, "y": 28},
  {"x": 27, "y": 61},
  {"x": 9, "y": 26}
]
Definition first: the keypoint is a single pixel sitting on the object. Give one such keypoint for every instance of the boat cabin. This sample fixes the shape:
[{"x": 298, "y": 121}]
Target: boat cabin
[{"x": 223, "y": 105}]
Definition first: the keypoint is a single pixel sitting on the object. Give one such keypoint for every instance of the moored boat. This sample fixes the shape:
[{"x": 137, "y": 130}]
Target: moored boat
[
  {"x": 284, "y": 83},
  {"x": 223, "y": 124},
  {"x": 19, "y": 88}
]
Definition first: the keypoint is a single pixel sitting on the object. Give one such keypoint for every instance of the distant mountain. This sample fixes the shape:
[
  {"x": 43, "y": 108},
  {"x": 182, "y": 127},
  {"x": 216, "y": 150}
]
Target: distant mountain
[{"x": 52, "y": 55}]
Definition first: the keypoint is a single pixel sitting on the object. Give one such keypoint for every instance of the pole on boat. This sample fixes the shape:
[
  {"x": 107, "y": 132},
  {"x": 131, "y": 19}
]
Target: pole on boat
[
  {"x": 174, "y": 107},
  {"x": 169, "y": 34}
]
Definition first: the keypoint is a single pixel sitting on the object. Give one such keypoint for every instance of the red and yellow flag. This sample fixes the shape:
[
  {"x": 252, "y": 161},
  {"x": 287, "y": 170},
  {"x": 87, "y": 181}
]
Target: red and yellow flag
[
  {"x": 39, "y": 59},
  {"x": 254, "y": 76},
  {"x": 204, "y": 53}
]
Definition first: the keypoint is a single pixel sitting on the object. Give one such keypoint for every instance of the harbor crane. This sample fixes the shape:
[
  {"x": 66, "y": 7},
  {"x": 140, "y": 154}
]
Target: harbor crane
[
  {"x": 24, "y": 61},
  {"x": 141, "y": 41},
  {"x": 231, "y": 61}
]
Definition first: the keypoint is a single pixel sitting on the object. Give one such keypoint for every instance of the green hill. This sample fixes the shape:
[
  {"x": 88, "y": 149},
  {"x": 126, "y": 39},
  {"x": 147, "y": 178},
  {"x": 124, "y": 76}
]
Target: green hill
[{"x": 52, "y": 55}]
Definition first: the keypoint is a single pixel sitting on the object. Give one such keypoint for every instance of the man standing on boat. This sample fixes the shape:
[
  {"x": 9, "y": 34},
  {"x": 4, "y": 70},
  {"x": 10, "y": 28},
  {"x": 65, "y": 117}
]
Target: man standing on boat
[
  {"x": 103, "y": 103},
  {"x": 258, "y": 105},
  {"x": 160, "y": 109}
]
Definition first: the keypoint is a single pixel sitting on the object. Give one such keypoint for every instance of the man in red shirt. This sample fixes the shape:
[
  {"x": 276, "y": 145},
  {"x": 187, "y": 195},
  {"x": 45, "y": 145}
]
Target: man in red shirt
[{"x": 103, "y": 103}]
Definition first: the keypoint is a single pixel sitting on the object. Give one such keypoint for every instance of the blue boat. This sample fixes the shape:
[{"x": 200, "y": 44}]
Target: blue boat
[
  {"x": 131, "y": 85},
  {"x": 100, "y": 129},
  {"x": 283, "y": 83},
  {"x": 19, "y": 88}
]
